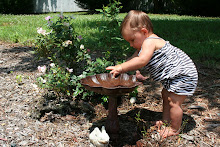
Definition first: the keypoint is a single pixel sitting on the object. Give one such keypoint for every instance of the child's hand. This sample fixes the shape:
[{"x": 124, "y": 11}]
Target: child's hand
[{"x": 115, "y": 70}]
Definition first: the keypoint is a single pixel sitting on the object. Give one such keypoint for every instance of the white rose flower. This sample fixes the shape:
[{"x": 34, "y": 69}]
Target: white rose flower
[
  {"x": 81, "y": 46},
  {"x": 69, "y": 70},
  {"x": 66, "y": 43},
  {"x": 41, "y": 31},
  {"x": 42, "y": 68},
  {"x": 52, "y": 64},
  {"x": 44, "y": 81}
]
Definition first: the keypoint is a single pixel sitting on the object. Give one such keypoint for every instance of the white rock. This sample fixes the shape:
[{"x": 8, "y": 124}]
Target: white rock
[
  {"x": 133, "y": 100},
  {"x": 191, "y": 138},
  {"x": 196, "y": 107}
]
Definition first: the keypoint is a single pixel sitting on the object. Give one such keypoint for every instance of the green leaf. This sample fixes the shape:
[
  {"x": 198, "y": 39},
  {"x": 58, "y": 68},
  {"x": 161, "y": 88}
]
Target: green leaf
[
  {"x": 100, "y": 10},
  {"x": 100, "y": 61}
]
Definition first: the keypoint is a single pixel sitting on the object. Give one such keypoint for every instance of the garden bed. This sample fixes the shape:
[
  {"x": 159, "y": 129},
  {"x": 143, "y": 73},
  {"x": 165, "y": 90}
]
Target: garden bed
[{"x": 23, "y": 121}]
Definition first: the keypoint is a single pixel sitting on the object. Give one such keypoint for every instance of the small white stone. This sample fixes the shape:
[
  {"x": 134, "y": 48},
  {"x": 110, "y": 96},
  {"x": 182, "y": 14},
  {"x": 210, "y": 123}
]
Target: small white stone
[
  {"x": 133, "y": 100},
  {"x": 23, "y": 143},
  {"x": 187, "y": 137}
]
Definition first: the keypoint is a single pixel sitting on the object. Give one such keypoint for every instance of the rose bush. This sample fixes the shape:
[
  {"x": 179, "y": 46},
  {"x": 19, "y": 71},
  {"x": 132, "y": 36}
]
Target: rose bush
[{"x": 70, "y": 60}]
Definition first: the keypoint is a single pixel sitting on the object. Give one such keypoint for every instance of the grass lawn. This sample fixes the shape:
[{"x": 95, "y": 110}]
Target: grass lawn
[{"x": 197, "y": 36}]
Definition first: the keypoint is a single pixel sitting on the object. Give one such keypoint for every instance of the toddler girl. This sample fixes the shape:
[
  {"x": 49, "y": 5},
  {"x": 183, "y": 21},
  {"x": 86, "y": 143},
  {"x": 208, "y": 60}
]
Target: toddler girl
[{"x": 166, "y": 63}]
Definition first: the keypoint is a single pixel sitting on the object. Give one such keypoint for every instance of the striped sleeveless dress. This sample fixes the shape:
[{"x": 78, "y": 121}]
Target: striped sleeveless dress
[{"x": 174, "y": 69}]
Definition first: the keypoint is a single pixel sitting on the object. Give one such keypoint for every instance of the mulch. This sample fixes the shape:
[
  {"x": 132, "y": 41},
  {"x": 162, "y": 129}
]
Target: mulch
[{"x": 29, "y": 117}]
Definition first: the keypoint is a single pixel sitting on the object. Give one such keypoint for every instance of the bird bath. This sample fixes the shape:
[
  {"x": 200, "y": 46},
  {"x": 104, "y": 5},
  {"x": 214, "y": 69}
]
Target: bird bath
[{"x": 113, "y": 87}]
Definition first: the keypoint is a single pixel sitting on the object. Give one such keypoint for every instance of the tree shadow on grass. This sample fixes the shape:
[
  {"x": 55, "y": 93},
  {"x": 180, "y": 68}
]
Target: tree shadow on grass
[{"x": 184, "y": 33}]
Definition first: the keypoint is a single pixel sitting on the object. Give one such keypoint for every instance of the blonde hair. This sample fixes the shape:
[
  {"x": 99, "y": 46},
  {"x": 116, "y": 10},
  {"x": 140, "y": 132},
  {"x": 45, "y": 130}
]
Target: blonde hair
[{"x": 137, "y": 20}]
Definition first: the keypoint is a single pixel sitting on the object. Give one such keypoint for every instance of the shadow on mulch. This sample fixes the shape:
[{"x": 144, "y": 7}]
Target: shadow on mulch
[
  {"x": 131, "y": 131},
  {"x": 27, "y": 63}
]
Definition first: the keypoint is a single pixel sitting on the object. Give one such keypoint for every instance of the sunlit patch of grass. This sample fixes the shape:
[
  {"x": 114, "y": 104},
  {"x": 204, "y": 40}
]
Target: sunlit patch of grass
[{"x": 199, "y": 37}]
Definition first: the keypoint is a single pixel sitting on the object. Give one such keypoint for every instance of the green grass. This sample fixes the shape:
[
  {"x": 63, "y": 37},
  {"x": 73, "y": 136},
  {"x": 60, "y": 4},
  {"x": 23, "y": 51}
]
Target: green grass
[{"x": 197, "y": 36}]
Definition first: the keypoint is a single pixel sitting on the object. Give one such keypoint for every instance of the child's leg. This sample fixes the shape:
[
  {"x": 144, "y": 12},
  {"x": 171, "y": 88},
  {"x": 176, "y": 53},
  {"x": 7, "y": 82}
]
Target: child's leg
[
  {"x": 172, "y": 113},
  {"x": 166, "y": 109},
  {"x": 166, "y": 106}
]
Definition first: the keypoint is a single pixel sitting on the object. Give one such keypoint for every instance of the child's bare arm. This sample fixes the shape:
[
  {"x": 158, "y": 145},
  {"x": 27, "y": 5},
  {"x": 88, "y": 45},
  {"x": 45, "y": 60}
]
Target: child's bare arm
[{"x": 136, "y": 62}]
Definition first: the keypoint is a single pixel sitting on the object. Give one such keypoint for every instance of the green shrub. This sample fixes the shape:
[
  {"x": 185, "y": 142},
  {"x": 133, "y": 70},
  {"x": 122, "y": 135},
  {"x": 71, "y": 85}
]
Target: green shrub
[
  {"x": 110, "y": 33},
  {"x": 70, "y": 60},
  {"x": 111, "y": 10}
]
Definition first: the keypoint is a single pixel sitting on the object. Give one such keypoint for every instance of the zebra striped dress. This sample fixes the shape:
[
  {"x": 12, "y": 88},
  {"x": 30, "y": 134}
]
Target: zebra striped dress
[{"x": 174, "y": 69}]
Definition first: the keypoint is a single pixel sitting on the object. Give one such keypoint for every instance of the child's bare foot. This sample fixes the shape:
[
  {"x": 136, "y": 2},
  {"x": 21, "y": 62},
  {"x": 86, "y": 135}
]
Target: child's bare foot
[
  {"x": 167, "y": 131},
  {"x": 139, "y": 76},
  {"x": 157, "y": 124}
]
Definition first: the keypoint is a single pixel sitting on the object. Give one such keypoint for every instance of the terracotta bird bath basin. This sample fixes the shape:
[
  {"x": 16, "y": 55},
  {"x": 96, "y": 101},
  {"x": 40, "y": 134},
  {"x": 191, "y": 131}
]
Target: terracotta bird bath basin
[{"x": 113, "y": 87}]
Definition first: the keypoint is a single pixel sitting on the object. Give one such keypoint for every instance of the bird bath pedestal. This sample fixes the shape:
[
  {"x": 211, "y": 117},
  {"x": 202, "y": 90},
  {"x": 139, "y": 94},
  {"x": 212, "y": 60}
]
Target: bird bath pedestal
[{"x": 113, "y": 87}]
